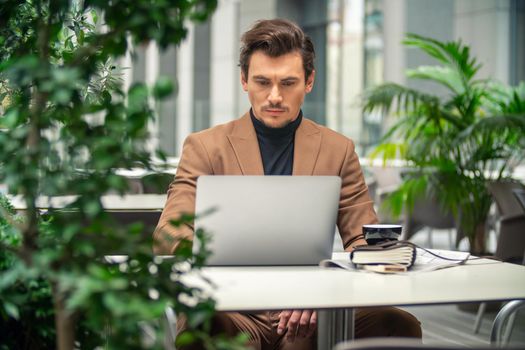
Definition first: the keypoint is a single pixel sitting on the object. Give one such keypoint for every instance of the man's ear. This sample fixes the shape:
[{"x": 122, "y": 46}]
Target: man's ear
[
  {"x": 244, "y": 82},
  {"x": 310, "y": 82}
]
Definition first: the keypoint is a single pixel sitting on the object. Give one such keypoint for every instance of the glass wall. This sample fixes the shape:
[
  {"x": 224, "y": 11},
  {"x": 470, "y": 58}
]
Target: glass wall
[
  {"x": 345, "y": 67},
  {"x": 358, "y": 45},
  {"x": 373, "y": 67}
]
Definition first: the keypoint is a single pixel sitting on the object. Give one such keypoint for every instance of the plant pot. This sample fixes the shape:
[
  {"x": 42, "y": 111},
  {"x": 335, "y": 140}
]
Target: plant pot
[{"x": 478, "y": 242}]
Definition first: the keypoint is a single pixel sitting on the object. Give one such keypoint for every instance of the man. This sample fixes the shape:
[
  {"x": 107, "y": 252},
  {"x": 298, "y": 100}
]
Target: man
[{"x": 274, "y": 138}]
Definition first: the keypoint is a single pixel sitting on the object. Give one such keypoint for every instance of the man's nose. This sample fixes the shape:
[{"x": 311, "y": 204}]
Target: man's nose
[{"x": 275, "y": 95}]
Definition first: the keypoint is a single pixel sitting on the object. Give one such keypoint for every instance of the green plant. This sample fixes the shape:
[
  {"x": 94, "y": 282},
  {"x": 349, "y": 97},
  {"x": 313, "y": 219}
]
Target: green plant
[
  {"x": 66, "y": 126},
  {"x": 455, "y": 142}
]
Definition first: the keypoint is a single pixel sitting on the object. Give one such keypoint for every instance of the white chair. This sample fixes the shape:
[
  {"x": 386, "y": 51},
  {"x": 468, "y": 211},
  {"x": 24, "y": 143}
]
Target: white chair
[
  {"x": 505, "y": 317},
  {"x": 402, "y": 344}
]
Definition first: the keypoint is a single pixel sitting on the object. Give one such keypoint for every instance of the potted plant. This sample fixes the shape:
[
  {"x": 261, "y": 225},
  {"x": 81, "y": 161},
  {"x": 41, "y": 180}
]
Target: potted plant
[
  {"x": 454, "y": 142},
  {"x": 66, "y": 126}
]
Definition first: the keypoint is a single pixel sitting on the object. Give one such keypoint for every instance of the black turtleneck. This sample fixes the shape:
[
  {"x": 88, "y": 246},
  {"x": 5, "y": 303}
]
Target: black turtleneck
[{"x": 276, "y": 145}]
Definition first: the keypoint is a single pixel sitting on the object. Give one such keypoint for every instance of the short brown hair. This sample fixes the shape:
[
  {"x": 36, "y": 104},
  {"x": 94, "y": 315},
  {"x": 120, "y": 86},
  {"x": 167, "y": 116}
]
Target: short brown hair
[{"x": 276, "y": 37}]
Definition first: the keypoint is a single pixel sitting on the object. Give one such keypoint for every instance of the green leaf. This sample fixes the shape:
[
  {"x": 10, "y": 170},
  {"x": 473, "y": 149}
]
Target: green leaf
[
  {"x": 81, "y": 36},
  {"x": 11, "y": 276},
  {"x": 10, "y": 118},
  {"x": 71, "y": 231},
  {"x": 163, "y": 88},
  {"x": 92, "y": 208},
  {"x": 12, "y": 310},
  {"x": 94, "y": 16},
  {"x": 61, "y": 96},
  {"x": 137, "y": 98},
  {"x": 185, "y": 338}
]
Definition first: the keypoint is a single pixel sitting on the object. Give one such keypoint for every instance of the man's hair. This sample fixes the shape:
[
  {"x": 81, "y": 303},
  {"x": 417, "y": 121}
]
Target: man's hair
[{"x": 276, "y": 37}]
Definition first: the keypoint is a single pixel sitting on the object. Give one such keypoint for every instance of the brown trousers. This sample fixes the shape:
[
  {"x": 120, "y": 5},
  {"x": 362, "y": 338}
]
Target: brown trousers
[{"x": 261, "y": 328}]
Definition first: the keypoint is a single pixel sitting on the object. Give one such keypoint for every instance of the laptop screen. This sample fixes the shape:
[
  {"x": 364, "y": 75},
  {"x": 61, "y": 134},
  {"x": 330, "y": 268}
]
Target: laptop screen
[{"x": 268, "y": 220}]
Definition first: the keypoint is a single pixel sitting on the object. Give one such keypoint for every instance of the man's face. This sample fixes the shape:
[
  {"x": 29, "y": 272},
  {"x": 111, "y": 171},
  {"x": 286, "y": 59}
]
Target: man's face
[{"x": 276, "y": 87}]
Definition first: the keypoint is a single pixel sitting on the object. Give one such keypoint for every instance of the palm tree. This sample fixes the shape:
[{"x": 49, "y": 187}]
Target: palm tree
[{"x": 455, "y": 142}]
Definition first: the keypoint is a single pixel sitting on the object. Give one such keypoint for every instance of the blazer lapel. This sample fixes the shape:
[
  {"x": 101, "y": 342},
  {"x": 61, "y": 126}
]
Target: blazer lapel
[
  {"x": 246, "y": 147},
  {"x": 306, "y": 148}
]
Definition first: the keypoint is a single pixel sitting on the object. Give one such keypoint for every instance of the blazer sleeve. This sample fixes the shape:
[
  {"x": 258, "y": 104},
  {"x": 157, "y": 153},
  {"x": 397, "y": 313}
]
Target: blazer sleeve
[
  {"x": 194, "y": 162},
  {"x": 355, "y": 206}
]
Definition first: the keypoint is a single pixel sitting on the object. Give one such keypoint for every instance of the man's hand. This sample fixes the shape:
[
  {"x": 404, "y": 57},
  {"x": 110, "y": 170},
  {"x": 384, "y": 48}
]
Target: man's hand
[{"x": 297, "y": 323}]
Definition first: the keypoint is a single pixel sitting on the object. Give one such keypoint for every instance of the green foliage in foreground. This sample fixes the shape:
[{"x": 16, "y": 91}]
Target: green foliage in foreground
[
  {"x": 66, "y": 125},
  {"x": 455, "y": 142}
]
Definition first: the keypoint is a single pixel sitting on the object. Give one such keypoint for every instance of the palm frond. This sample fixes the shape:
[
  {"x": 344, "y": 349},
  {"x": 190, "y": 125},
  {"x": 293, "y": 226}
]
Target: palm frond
[
  {"x": 505, "y": 100},
  {"x": 405, "y": 127},
  {"x": 432, "y": 47},
  {"x": 471, "y": 102},
  {"x": 494, "y": 125},
  {"x": 389, "y": 151},
  {"x": 442, "y": 75},
  {"x": 517, "y": 104},
  {"x": 452, "y": 118},
  {"x": 492, "y": 143},
  {"x": 386, "y": 95},
  {"x": 453, "y": 54},
  {"x": 390, "y": 96}
]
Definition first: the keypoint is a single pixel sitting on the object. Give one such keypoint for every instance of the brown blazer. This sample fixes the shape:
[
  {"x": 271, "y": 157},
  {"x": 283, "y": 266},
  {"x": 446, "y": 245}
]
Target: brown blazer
[{"x": 233, "y": 149}]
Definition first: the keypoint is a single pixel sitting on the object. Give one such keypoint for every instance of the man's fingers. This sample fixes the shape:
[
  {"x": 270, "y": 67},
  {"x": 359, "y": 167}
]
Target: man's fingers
[
  {"x": 313, "y": 324},
  {"x": 304, "y": 323},
  {"x": 284, "y": 316},
  {"x": 293, "y": 324}
]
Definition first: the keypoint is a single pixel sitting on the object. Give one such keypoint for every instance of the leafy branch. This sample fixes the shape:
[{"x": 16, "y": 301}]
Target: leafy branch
[{"x": 67, "y": 125}]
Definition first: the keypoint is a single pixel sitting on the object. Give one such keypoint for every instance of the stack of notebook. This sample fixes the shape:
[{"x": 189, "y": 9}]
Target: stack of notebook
[{"x": 388, "y": 256}]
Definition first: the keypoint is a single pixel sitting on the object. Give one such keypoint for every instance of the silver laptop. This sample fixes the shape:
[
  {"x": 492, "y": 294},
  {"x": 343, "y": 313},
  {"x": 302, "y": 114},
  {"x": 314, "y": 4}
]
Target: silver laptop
[{"x": 268, "y": 220}]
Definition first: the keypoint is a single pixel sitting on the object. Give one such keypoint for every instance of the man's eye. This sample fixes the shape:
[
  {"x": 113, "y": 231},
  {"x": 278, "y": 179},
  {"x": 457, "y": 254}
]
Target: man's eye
[
  {"x": 288, "y": 83},
  {"x": 263, "y": 82}
]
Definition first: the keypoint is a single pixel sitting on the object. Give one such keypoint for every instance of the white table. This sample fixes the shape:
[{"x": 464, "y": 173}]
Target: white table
[
  {"x": 110, "y": 202},
  {"x": 337, "y": 291}
]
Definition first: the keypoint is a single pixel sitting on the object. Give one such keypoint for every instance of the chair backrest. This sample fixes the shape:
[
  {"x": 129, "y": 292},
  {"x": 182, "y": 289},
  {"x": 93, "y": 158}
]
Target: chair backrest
[
  {"x": 386, "y": 177},
  {"x": 507, "y": 203},
  {"x": 112, "y": 245},
  {"x": 520, "y": 196},
  {"x": 385, "y": 180},
  {"x": 156, "y": 183},
  {"x": 427, "y": 212},
  {"x": 150, "y": 218},
  {"x": 511, "y": 240},
  {"x": 430, "y": 212}
]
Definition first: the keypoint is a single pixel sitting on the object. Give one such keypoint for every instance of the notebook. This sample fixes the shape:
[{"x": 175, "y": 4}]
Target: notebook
[
  {"x": 385, "y": 253},
  {"x": 267, "y": 220}
]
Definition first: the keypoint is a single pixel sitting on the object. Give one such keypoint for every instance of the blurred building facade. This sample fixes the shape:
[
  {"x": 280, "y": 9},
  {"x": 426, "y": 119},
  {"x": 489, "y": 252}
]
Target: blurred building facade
[{"x": 358, "y": 45}]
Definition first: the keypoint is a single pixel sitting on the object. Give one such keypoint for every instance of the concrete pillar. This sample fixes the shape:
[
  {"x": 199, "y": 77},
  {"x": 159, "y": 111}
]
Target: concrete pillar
[
  {"x": 185, "y": 81},
  {"x": 485, "y": 26},
  {"x": 249, "y": 12},
  {"x": 224, "y": 55}
]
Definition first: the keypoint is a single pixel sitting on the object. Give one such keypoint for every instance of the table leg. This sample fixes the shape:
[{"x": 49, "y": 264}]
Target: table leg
[
  {"x": 348, "y": 324},
  {"x": 334, "y": 326}
]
